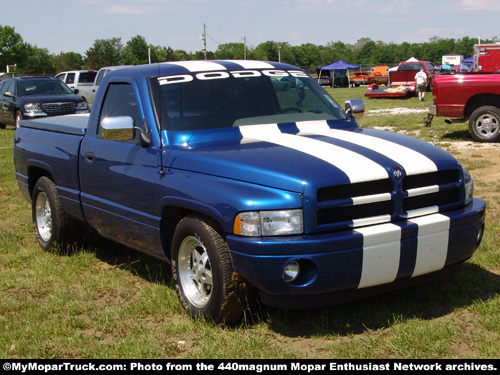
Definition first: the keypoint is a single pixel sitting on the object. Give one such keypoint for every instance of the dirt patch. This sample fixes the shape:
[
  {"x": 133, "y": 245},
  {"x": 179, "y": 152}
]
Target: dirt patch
[{"x": 395, "y": 111}]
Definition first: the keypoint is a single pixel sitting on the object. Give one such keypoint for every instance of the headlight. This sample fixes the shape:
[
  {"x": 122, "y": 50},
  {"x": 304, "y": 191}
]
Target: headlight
[
  {"x": 269, "y": 223},
  {"x": 81, "y": 105},
  {"x": 468, "y": 186},
  {"x": 33, "y": 108}
]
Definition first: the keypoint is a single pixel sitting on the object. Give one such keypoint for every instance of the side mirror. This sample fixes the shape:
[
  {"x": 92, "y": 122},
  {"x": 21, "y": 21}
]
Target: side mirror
[
  {"x": 76, "y": 91},
  {"x": 8, "y": 94},
  {"x": 354, "y": 106},
  {"x": 117, "y": 128},
  {"x": 121, "y": 129}
]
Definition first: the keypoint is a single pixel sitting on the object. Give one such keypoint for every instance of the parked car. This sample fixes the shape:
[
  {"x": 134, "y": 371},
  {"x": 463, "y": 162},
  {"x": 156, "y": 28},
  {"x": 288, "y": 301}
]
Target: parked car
[
  {"x": 35, "y": 97},
  {"x": 76, "y": 78},
  {"x": 89, "y": 91},
  {"x": 81, "y": 80},
  {"x": 402, "y": 81},
  {"x": 248, "y": 192},
  {"x": 325, "y": 79}
]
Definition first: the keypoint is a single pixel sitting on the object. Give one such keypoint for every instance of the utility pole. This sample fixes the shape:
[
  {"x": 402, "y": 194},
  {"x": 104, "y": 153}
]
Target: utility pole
[
  {"x": 204, "y": 38},
  {"x": 279, "y": 52},
  {"x": 244, "y": 48}
]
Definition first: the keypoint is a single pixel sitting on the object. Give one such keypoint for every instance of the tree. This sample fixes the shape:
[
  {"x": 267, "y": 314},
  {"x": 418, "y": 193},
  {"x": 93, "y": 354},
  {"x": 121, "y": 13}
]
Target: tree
[
  {"x": 337, "y": 51},
  {"x": 230, "y": 51},
  {"x": 104, "y": 52},
  {"x": 67, "y": 61},
  {"x": 364, "y": 52},
  {"x": 307, "y": 55},
  {"x": 39, "y": 61},
  {"x": 13, "y": 51},
  {"x": 135, "y": 51}
]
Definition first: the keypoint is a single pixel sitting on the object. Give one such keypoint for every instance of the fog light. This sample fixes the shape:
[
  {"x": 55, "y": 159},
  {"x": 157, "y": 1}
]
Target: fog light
[{"x": 291, "y": 271}]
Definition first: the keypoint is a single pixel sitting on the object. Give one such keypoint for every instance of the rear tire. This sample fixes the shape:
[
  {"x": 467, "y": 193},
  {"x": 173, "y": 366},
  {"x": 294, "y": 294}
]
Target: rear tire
[
  {"x": 49, "y": 220},
  {"x": 203, "y": 272},
  {"x": 484, "y": 124}
]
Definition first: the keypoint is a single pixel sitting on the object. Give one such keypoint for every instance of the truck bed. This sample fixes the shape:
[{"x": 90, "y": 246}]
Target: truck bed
[
  {"x": 69, "y": 124},
  {"x": 389, "y": 92}
]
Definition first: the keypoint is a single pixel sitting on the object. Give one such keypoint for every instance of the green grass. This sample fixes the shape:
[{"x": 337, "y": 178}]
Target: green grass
[{"x": 101, "y": 300}]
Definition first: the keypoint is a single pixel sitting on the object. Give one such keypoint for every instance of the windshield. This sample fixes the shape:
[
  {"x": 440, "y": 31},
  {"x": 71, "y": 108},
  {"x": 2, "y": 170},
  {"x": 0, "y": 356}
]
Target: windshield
[
  {"x": 247, "y": 97},
  {"x": 46, "y": 86}
]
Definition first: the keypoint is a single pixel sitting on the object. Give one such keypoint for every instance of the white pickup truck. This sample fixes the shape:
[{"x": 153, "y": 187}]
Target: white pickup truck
[
  {"x": 86, "y": 81},
  {"x": 81, "y": 80}
]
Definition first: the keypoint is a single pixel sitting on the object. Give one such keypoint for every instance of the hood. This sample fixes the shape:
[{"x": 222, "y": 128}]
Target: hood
[
  {"x": 304, "y": 155},
  {"x": 50, "y": 98}
]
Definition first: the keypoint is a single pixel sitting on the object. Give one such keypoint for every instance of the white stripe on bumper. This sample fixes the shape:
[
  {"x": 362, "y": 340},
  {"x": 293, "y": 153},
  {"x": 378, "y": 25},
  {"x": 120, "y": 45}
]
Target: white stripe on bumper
[{"x": 382, "y": 249}]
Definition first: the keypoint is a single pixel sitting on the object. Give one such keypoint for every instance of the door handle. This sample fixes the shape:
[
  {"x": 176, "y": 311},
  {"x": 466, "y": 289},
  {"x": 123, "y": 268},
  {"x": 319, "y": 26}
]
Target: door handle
[{"x": 89, "y": 157}]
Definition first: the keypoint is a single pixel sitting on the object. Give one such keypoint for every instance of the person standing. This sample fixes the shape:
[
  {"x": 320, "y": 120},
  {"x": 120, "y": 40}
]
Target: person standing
[{"x": 421, "y": 81}]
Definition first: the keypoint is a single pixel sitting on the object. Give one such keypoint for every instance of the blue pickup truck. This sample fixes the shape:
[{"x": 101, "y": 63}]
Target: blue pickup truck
[{"x": 252, "y": 182}]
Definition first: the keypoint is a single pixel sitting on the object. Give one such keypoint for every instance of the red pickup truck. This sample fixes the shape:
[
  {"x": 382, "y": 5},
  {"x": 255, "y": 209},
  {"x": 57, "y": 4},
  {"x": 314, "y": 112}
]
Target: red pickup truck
[
  {"x": 471, "y": 96},
  {"x": 402, "y": 81}
]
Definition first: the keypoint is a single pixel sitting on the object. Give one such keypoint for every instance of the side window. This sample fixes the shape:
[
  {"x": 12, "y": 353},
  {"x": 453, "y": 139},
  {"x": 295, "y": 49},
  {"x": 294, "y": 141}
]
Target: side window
[
  {"x": 100, "y": 76},
  {"x": 70, "y": 78},
  {"x": 9, "y": 86},
  {"x": 120, "y": 100}
]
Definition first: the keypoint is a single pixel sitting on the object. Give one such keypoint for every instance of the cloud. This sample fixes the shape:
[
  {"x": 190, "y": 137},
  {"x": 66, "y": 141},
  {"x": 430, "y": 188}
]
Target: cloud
[
  {"x": 482, "y": 5},
  {"x": 127, "y": 9}
]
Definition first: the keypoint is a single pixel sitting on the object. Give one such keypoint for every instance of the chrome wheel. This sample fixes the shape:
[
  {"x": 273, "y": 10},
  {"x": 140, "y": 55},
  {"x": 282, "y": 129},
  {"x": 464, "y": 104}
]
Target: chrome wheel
[
  {"x": 43, "y": 214},
  {"x": 484, "y": 124},
  {"x": 487, "y": 125},
  {"x": 195, "y": 271},
  {"x": 203, "y": 274}
]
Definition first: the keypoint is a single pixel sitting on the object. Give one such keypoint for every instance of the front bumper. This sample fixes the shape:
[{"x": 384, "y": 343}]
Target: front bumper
[{"x": 363, "y": 258}]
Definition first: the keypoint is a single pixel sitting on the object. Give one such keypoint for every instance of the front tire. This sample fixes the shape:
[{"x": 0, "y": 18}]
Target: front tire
[
  {"x": 49, "y": 220},
  {"x": 484, "y": 124},
  {"x": 203, "y": 272}
]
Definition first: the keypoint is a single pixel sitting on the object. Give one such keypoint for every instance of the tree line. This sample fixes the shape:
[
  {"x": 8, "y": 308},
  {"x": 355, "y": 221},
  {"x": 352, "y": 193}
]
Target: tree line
[{"x": 30, "y": 59}]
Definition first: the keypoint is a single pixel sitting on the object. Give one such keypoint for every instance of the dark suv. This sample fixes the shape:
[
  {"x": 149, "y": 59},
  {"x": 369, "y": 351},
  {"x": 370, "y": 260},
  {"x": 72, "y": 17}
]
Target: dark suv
[{"x": 34, "y": 97}]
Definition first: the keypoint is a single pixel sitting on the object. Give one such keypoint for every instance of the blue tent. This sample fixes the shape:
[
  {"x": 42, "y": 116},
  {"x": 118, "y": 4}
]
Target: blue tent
[
  {"x": 337, "y": 65},
  {"x": 468, "y": 60},
  {"x": 340, "y": 65}
]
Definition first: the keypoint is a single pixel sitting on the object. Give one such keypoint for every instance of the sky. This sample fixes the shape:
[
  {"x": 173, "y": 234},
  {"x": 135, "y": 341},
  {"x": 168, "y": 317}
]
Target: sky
[{"x": 74, "y": 25}]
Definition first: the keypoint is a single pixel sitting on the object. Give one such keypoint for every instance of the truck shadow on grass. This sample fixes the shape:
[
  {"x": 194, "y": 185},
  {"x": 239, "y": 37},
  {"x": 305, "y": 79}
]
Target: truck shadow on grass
[
  {"x": 458, "y": 135},
  {"x": 471, "y": 285},
  {"x": 429, "y": 301}
]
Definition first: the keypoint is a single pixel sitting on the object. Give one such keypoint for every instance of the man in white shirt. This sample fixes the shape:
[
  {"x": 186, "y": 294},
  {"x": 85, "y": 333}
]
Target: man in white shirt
[{"x": 421, "y": 81}]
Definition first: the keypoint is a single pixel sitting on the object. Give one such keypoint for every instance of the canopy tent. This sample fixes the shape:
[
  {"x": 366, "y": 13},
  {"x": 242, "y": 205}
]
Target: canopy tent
[
  {"x": 468, "y": 60},
  {"x": 339, "y": 65}
]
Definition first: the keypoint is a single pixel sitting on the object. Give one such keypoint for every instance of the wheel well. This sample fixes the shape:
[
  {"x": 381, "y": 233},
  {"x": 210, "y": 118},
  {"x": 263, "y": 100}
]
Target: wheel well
[
  {"x": 481, "y": 100},
  {"x": 34, "y": 174},
  {"x": 171, "y": 216}
]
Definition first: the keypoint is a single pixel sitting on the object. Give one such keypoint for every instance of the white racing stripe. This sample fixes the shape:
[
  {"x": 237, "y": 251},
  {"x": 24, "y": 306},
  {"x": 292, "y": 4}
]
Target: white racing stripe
[
  {"x": 357, "y": 167},
  {"x": 200, "y": 66},
  {"x": 432, "y": 248},
  {"x": 412, "y": 161},
  {"x": 382, "y": 249},
  {"x": 381, "y": 252},
  {"x": 252, "y": 64}
]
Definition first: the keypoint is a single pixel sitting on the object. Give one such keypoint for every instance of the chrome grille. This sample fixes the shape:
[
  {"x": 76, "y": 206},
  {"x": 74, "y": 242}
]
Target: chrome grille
[
  {"x": 389, "y": 199},
  {"x": 62, "y": 108}
]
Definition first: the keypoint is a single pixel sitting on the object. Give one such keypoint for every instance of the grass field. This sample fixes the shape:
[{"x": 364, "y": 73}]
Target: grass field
[{"x": 101, "y": 300}]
